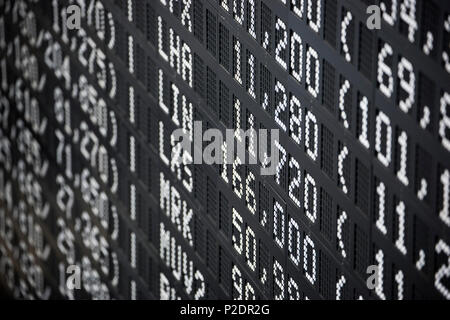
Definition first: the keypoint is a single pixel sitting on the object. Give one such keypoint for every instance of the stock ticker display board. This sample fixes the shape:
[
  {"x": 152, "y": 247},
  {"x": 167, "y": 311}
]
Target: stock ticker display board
[{"x": 93, "y": 182}]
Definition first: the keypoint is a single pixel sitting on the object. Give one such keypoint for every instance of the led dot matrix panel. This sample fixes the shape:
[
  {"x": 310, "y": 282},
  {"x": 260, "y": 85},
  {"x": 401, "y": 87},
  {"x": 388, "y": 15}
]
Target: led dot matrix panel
[{"x": 93, "y": 184}]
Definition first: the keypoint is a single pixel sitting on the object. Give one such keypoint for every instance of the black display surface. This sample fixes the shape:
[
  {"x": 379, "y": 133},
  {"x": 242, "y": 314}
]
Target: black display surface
[{"x": 94, "y": 184}]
